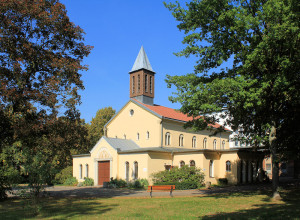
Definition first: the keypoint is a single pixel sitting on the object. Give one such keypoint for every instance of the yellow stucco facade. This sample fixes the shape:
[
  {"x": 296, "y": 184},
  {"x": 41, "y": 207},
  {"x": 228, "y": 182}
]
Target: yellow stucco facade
[
  {"x": 135, "y": 147},
  {"x": 144, "y": 138}
]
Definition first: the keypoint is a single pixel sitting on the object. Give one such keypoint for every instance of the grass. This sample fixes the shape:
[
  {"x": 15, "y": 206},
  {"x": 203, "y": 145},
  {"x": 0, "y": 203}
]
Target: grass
[{"x": 250, "y": 205}]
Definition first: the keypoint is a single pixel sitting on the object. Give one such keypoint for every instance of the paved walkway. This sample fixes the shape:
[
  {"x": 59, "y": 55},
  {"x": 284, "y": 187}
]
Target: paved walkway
[{"x": 99, "y": 192}]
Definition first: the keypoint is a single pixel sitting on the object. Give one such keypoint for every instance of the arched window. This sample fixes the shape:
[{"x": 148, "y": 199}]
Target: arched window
[
  {"x": 167, "y": 139},
  {"x": 181, "y": 140},
  {"x": 192, "y": 163},
  {"x": 136, "y": 170},
  {"x": 133, "y": 84},
  {"x": 182, "y": 163},
  {"x": 215, "y": 144},
  {"x": 223, "y": 145},
  {"x": 127, "y": 171},
  {"x": 148, "y": 135},
  {"x": 138, "y": 136},
  {"x": 211, "y": 168},
  {"x": 204, "y": 143},
  {"x": 80, "y": 171},
  {"x": 228, "y": 166},
  {"x": 146, "y": 83},
  {"x": 151, "y": 84},
  {"x": 139, "y": 84},
  {"x": 86, "y": 170},
  {"x": 194, "y": 142}
]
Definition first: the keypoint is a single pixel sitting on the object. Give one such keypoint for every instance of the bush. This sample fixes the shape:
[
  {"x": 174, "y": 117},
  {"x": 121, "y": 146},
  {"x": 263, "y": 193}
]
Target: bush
[
  {"x": 144, "y": 183},
  {"x": 63, "y": 175},
  {"x": 222, "y": 181},
  {"x": 115, "y": 183},
  {"x": 88, "y": 181},
  {"x": 183, "y": 178},
  {"x": 71, "y": 181}
]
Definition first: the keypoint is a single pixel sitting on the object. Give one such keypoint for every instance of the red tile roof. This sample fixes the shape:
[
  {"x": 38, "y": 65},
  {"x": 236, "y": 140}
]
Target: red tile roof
[{"x": 172, "y": 113}]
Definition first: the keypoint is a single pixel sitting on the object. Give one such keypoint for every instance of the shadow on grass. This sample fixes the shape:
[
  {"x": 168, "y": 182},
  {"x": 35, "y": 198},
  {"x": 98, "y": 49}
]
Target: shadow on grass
[
  {"x": 53, "y": 208},
  {"x": 289, "y": 209}
]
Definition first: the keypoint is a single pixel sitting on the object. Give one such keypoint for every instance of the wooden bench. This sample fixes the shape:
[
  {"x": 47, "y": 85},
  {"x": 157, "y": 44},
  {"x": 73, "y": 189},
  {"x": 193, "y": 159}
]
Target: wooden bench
[{"x": 161, "y": 188}]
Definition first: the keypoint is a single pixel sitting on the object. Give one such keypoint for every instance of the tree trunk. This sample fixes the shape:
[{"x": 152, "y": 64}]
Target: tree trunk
[{"x": 275, "y": 163}]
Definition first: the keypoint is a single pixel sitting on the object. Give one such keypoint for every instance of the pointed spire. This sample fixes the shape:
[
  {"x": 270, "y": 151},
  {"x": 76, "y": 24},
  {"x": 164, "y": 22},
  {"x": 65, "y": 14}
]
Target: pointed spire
[{"x": 141, "y": 62}]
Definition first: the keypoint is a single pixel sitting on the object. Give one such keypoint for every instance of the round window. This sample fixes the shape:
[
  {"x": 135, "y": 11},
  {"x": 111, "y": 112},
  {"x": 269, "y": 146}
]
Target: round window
[{"x": 131, "y": 112}]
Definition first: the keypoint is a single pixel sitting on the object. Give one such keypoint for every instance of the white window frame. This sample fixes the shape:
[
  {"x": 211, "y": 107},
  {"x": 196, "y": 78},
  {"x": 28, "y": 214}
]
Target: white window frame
[
  {"x": 80, "y": 171},
  {"x": 86, "y": 170},
  {"x": 194, "y": 142},
  {"x": 181, "y": 140}
]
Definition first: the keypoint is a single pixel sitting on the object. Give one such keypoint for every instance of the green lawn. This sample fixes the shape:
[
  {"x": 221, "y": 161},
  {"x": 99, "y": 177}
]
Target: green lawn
[{"x": 254, "y": 205}]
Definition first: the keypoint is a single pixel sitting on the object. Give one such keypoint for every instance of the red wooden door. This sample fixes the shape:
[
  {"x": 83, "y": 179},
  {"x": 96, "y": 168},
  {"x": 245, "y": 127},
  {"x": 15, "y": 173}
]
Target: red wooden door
[{"x": 103, "y": 172}]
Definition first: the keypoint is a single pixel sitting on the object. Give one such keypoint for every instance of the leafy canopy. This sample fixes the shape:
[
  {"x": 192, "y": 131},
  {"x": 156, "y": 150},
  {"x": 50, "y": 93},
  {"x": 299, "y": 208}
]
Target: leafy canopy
[
  {"x": 259, "y": 42},
  {"x": 96, "y": 127},
  {"x": 41, "y": 54}
]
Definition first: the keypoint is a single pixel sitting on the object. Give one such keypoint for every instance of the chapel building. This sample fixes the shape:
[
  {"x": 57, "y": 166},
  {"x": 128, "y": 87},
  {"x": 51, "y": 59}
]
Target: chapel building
[{"x": 144, "y": 138}]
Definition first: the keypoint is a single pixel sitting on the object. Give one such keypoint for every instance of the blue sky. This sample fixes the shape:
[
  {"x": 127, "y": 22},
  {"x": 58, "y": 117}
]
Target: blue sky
[{"x": 117, "y": 30}]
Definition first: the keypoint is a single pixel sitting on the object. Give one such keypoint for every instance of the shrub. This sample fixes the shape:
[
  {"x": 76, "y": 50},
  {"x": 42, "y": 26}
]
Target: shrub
[
  {"x": 183, "y": 178},
  {"x": 88, "y": 181},
  {"x": 222, "y": 181},
  {"x": 71, "y": 181},
  {"x": 63, "y": 175},
  {"x": 115, "y": 183},
  {"x": 144, "y": 183}
]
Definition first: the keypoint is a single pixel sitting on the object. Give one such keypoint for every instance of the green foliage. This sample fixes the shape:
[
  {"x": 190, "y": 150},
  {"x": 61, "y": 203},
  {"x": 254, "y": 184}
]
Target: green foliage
[
  {"x": 222, "y": 181},
  {"x": 117, "y": 183},
  {"x": 183, "y": 178},
  {"x": 88, "y": 181},
  {"x": 258, "y": 43},
  {"x": 71, "y": 181},
  {"x": 138, "y": 184},
  {"x": 64, "y": 174},
  {"x": 41, "y": 54},
  {"x": 144, "y": 183},
  {"x": 97, "y": 124}
]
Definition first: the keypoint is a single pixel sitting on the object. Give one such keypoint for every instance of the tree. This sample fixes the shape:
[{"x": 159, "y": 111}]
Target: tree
[
  {"x": 260, "y": 89},
  {"x": 41, "y": 52},
  {"x": 97, "y": 124}
]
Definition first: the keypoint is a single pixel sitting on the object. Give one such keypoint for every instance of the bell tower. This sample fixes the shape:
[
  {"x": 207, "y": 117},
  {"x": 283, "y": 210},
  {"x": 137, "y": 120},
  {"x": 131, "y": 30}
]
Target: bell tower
[{"x": 142, "y": 79}]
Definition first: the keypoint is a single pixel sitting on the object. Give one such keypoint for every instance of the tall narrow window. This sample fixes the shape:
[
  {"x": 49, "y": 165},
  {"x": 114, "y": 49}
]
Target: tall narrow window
[
  {"x": 127, "y": 171},
  {"x": 228, "y": 166},
  {"x": 181, "y": 140},
  {"x": 133, "y": 84},
  {"x": 167, "y": 139},
  {"x": 211, "y": 168},
  {"x": 139, "y": 84},
  {"x": 80, "y": 171},
  {"x": 182, "y": 163},
  {"x": 138, "y": 136},
  {"x": 215, "y": 144},
  {"x": 223, "y": 145},
  {"x": 148, "y": 135},
  {"x": 151, "y": 85},
  {"x": 192, "y": 163},
  {"x": 86, "y": 170},
  {"x": 204, "y": 143},
  {"x": 136, "y": 170},
  {"x": 146, "y": 83},
  {"x": 194, "y": 142},
  {"x": 124, "y": 136}
]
